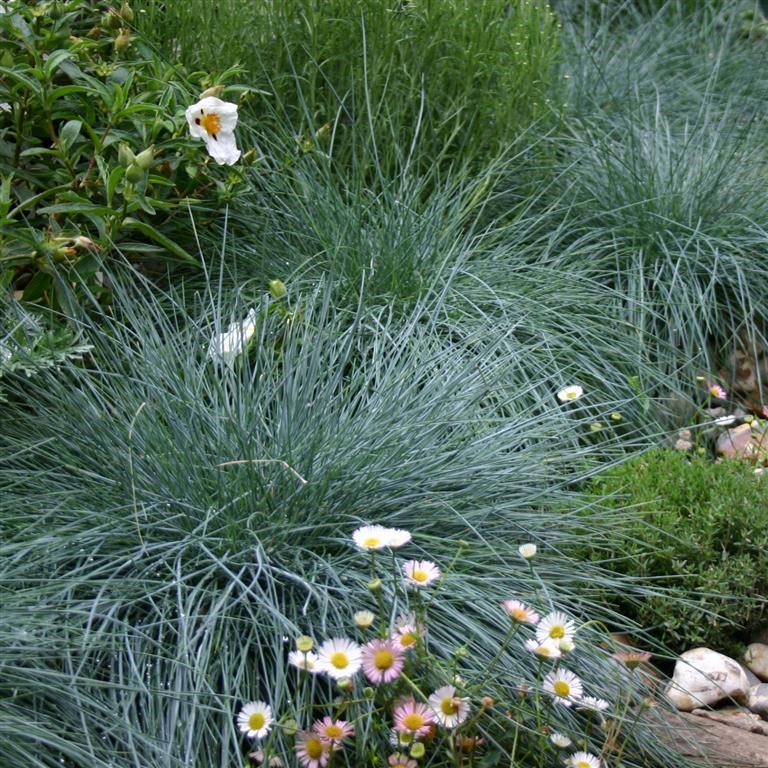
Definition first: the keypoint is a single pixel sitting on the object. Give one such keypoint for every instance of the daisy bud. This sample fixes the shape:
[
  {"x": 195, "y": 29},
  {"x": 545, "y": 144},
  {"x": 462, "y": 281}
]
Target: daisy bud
[
  {"x": 616, "y": 416},
  {"x": 461, "y": 652},
  {"x": 364, "y": 619},
  {"x": 323, "y": 131},
  {"x": 290, "y": 727},
  {"x": 125, "y": 155},
  {"x": 145, "y": 159},
  {"x": 374, "y": 585},
  {"x": 110, "y": 20},
  {"x": 123, "y": 40},
  {"x": 417, "y": 750},
  {"x": 304, "y": 643},
  {"x": 368, "y": 692},
  {"x": 126, "y": 13},
  {"x": 345, "y": 684},
  {"x": 595, "y": 426},
  {"x": 214, "y": 90},
  {"x": 487, "y": 702},
  {"x": 527, "y": 551},
  {"x": 277, "y": 289}
]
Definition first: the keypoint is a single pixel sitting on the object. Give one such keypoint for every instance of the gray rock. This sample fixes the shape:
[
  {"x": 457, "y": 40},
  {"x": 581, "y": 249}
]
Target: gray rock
[
  {"x": 756, "y": 658},
  {"x": 758, "y": 700},
  {"x": 736, "y": 717},
  {"x": 703, "y": 677},
  {"x": 751, "y": 676}
]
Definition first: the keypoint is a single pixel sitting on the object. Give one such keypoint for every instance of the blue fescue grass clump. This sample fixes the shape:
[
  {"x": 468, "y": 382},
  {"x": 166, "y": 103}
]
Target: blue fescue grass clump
[{"x": 170, "y": 525}]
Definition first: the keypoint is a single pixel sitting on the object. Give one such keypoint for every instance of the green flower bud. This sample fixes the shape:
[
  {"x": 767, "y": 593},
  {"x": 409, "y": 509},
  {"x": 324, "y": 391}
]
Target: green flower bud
[
  {"x": 125, "y": 155},
  {"x": 123, "y": 40},
  {"x": 304, "y": 643},
  {"x": 368, "y": 692},
  {"x": 417, "y": 750},
  {"x": 345, "y": 684},
  {"x": 214, "y": 90},
  {"x": 374, "y": 585},
  {"x": 616, "y": 416},
  {"x": 145, "y": 159},
  {"x": 7, "y": 59},
  {"x": 290, "y": 727},
  {"x": 134, "y": 173},
  {"x": 110, "y": 20},
  {"x": 126, "y": 13},
  {"x": 277, "y": 289}
]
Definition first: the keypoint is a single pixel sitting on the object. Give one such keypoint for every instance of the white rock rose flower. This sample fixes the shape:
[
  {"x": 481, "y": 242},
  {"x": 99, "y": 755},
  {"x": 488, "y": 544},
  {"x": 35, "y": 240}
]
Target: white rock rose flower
[
  {"x": 214, "y": 121},
  {"x": 225, "y": 347}
]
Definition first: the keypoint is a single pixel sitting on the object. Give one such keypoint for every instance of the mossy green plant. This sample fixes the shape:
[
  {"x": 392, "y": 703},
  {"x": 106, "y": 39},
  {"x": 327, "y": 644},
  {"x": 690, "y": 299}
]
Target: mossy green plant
[{"x": 701, "y": 529}]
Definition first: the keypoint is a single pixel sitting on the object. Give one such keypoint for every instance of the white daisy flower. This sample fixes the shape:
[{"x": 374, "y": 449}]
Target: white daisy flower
[
  {"x": 570, "y": 393},
  {"x": 307, "y": 661},
  {"x": 450, "y": 710},
  {"x": 555, "y": 626},
  {"x": 255, "y": 720},
  {"x": 214, "y": 121},
  {"x": 560, "y": 740},
  {"x": 371, "y": 537},
  {"x": 398, "y": 537},
  {"x": 583, "y": 760},
  {"x": 527, "y": 551},
  {"x": 225, "y": 347},
  {"x": 339, "y": 658},
  {"x": 547, "y": 649},
  {"x": 564, "y": 686},
  {"x": 593, "y": 704},
  {"x": 420, "y": 573}
]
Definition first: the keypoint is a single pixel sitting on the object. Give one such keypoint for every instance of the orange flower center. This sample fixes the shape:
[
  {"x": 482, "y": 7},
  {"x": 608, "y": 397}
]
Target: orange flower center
[
  {"x": 383, "y": 659},
  {"x": 211, "y": 122}
]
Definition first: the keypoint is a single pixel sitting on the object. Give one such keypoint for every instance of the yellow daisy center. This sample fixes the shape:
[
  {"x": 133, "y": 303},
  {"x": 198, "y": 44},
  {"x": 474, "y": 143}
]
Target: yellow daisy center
[
  {"x": 582, "y": 764},
  {"x": 448, "y": 706},
  {"x": 383, "y": 659},
  {"x": 419, "y": 575},
  {"x": 561, "y": 688},
  {"x": 314, "y": 748},
  {"x": 211, "y": 123},
  {"x": 334, "y": 731},
  {"x": 339, "y": 659},
  {"x": 371, "y": 542},
  {"x": 519, "y": 613},
  {"x": 413, "y": 721},
  {"x": 557, "y": 632},
  {"x": 256, "y": 721},
  {"x": 407, "y": 639}
]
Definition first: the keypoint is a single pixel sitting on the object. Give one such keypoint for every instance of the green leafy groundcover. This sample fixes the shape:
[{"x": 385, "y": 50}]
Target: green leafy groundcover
[{"x": 703, "y": 530}]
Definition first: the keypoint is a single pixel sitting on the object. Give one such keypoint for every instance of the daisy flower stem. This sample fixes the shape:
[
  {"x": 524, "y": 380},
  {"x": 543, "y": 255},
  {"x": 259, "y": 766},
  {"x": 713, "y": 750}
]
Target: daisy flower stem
[{"x": 502, "y": 650}]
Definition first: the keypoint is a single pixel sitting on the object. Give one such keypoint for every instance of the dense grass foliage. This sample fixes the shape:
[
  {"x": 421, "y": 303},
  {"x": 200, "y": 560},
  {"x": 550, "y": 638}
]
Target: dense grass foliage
[
  {"x": 396, "y": 84},
  {"x": 469, "y": 207},
  {"x": 165, "y": 522}
]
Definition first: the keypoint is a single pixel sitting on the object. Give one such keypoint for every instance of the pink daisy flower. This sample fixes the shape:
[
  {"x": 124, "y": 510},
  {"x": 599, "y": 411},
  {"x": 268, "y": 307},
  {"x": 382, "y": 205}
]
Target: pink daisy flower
[
  {"x": 715, "y": 390},
  {"x": 401, "y": 760},
  {"x": 408, "y": 632},
  {"x": 410, "y": 716},
  {"x": 520, "y": 612},
  {"x": 332, "y": 731},
  {"x": 311, "y": 750},
  {"x": 420, "y": 573},
  {"x": 382, "y": 660}
]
